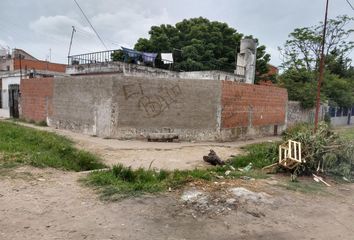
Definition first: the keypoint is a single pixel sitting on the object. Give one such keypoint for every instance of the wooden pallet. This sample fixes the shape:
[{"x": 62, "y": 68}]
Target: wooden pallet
[{"x": 290, "y": 154}]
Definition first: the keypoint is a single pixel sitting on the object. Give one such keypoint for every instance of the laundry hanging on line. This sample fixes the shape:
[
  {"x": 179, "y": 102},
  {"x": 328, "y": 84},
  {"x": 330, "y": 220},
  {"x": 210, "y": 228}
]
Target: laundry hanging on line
[
  {"x": 167, "y": 58},
  {"x": 136, "y": 55}
]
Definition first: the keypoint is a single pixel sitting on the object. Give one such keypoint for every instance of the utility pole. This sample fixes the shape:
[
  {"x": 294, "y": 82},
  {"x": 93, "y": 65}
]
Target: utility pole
[
  {"x": 321, "y": 70},
  {"x": 71, "y": 41}
]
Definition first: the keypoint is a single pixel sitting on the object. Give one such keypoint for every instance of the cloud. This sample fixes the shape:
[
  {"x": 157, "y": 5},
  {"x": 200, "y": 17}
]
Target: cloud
[
  {"x": 125, "y": 27},
  {"x": 56, "y": 26},
  {"x": 122, "y": 22}
]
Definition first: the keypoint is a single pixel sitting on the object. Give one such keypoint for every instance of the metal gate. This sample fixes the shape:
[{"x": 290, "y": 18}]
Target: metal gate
[{"x": 14, "y": 90}]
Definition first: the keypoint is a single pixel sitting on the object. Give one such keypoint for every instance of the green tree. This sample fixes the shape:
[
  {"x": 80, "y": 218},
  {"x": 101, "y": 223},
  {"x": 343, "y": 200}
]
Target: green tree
[
  {"x": 301, "y": 86},
  {"x": 339, "y": 91},
  {"x": 301, "y": 58},
  {"x": 302, "y": 49},
  {"x": 199, "y": 44}
]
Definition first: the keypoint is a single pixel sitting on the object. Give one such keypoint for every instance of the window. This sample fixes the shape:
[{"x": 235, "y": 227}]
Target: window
[
  {"x": 352, "y": 111},
  {"x": 332, "y": 111}
]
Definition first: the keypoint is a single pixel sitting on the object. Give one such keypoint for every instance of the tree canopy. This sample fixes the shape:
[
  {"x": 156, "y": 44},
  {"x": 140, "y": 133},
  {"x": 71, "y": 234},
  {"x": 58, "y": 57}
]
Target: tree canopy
[
  {"x": 302, "y": 49},
  {"x": 301, "y": 55},
  {"x": 199, "y": 44}
]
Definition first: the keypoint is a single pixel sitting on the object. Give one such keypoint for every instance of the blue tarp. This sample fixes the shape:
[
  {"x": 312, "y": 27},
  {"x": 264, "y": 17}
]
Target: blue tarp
[{"x": 146, "y": 56}]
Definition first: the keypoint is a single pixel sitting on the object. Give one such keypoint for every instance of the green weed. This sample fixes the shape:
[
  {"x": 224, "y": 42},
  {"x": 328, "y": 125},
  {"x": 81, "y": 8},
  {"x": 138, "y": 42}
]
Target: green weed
[{"x": 22, "y": 145}]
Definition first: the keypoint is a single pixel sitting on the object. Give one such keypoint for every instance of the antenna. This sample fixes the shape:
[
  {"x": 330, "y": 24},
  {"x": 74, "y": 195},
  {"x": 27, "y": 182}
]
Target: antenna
[
  {"x": 98, "y": 36},
  {"x": 71, "y": 41}
]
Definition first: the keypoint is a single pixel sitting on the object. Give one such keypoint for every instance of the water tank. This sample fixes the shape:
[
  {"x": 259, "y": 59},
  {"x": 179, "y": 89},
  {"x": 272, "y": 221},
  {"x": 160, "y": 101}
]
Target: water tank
[{"x": 248, "y": 43}]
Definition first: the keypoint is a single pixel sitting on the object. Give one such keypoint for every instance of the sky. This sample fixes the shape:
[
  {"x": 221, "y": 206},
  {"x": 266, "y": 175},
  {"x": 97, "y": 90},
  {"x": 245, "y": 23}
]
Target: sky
[{"x": 43, "y": 27}]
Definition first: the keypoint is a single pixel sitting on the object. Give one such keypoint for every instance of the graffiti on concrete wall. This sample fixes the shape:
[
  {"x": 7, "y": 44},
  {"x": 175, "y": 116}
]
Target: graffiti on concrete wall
[{"x": 155, "y": 104}]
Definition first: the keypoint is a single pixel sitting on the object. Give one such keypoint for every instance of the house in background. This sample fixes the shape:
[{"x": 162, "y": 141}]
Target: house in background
[{"x": 16, "y": 66}]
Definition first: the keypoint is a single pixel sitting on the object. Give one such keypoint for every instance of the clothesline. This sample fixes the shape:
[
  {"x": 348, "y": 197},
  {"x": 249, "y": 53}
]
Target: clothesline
[{"x": 167, "y": 58}]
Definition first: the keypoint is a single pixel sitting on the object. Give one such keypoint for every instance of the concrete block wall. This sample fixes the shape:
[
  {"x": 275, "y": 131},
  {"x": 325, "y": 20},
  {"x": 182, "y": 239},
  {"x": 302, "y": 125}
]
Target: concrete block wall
[
  {"x": 123, "y": 107},
  {"x": 252, "y": 110},
  {"x": 130, "y": 107},
  {"x": 296, "y": 114},
  {"x": 36, "y": 98}
]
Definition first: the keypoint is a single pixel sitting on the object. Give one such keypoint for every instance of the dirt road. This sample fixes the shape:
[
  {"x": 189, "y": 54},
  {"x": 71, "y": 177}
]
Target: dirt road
[
  {"x": 50, "y": 204},
  {"x": 180, "y": 155},
  {"x": 43, "y": 204}
]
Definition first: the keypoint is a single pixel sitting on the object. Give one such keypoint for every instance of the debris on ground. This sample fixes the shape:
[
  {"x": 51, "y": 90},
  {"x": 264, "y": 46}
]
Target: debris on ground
[
  {"x": 222, "y": 202},
  {"x": 320, "y": 179},
  {"x": 247, "y": 168},
  {"x": 213, "y": 158},
  {"x": 201, "y": 202},
  {"x": 247, "y": 178},
  {"x": 162, "y": 137},
  {"x": 245, "y": 195},
  {"x": 323, "y": 151}
]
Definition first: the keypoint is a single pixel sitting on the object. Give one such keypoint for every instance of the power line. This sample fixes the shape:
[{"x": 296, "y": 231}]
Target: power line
[
  {"x": 350, "y": 5},
  {"x": 91, "y": 25}
]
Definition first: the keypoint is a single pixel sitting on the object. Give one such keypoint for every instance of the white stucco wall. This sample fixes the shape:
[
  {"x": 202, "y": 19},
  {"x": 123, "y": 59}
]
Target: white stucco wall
[{"x": 6, "y": 81}]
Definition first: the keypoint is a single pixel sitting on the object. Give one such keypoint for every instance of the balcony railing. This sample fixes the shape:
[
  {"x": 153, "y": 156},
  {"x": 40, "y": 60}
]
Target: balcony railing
[{"x": 87, "y": 58}]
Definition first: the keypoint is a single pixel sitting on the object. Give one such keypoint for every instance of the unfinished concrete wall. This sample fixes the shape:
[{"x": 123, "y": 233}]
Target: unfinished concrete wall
[
  {"x": 82, "y": 104},
  {"x": 134, "y": 70},
  {"x": 296, "y": 114},
  {"x": 129, "y": 107}
]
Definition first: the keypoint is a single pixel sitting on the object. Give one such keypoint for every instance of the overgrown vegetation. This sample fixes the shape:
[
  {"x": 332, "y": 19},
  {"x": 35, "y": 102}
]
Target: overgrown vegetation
[
  {"x": 346, "y": 133},
  {"x": 22, "y": 145},
  {"x": 120, "y": 181},
  {"x": 323, "y": 151},
  {"x": 260, "y": 155}
]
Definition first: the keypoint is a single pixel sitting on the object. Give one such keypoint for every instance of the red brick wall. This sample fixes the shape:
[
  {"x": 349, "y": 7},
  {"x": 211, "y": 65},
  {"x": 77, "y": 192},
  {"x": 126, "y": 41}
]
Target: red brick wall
[
  {"x": 39, "y": 65},
  {"x": 36, "y": 98},
  {"x": 243, "y": 104}
]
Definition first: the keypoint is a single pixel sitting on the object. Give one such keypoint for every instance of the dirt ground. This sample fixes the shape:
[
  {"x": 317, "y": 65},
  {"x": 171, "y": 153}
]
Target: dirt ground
[
  {"x": 161, "y": 155},
  {"x": 51, "y": 204}
]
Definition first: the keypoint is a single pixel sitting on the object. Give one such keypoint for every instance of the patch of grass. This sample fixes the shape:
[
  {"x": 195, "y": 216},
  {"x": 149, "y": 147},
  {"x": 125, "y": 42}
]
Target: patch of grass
[
  {"x": 260, "y": 155},
  {"x": 22, "y": 145},
  {"x": 120, "y": 181},
  {"x": 346, "y": 133},
  {"x": 305, "y": 187},
  {"x": 30, "y": 121}
]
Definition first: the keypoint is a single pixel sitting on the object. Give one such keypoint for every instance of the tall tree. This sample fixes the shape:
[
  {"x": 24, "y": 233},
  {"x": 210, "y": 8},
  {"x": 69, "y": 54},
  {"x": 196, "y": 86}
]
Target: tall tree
[
  {"x": 301, "y": 54},
  {"x": 302, "y": 49},
  {"x": 199, "y": 44}
]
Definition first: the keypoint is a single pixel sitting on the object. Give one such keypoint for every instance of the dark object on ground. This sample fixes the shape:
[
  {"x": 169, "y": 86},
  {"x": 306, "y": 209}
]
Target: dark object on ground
[
  {"x": 162, "y": 137},
  {"x": 213, "y": 159}
]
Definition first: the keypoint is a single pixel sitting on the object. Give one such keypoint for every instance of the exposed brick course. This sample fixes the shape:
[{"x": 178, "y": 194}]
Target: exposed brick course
[
  {"x": 36, "y": 98},
  {"x": 252, "y": 105},
  {"x": 39, "y": 65}
]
